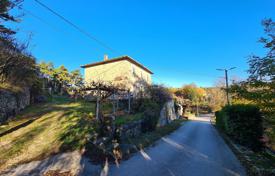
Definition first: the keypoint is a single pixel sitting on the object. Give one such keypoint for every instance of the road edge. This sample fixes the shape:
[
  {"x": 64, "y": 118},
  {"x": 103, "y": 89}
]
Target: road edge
[{"x": 250, "y": 169}]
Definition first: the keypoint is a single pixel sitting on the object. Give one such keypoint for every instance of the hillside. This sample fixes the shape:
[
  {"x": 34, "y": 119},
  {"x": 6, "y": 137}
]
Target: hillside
[{"x": 50, "y": 128}]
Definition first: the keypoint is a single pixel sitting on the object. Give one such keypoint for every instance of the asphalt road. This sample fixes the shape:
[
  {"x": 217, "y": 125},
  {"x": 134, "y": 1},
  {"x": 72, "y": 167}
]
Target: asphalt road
[{"x": 195, "y": 149}]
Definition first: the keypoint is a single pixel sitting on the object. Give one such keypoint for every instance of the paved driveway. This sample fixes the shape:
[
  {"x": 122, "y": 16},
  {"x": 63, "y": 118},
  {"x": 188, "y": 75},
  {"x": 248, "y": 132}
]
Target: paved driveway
[{"x": 195, "y": 149}]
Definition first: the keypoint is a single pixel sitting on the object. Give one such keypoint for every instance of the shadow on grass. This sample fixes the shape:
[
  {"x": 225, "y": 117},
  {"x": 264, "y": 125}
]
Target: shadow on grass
[
  {"x": 35, "y": 112},
  {"x": 18, "y": 144},
  {"x": 78, "y": 127},
  {"x": 17, "y": 127}
]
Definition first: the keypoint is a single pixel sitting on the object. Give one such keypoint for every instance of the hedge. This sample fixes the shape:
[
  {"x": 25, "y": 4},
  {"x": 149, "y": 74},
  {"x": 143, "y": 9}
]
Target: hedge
[{"x": 243, "y": 123}]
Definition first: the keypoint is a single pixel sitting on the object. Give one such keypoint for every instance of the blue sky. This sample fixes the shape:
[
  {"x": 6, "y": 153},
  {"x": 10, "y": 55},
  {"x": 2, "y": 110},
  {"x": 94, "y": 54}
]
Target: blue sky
[{"x": 181, "y": 41}]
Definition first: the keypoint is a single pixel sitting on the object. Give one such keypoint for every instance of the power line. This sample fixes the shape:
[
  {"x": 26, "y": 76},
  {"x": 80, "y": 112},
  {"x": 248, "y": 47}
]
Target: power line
[
  {"x": 56, "y": 29},
  {"x": 39, "y": 18},
  {"x": 76, "y": 27},
  {"x": 45, "y": 22}
]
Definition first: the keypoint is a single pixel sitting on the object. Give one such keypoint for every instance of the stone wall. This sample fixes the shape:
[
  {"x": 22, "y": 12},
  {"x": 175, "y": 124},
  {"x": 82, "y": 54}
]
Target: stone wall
[
  {"x": 167, "y": 114},
  {"x": 12, "y": 103},
  {"x": 134, "y": 129},
  {"x": 131, "y": 130}
]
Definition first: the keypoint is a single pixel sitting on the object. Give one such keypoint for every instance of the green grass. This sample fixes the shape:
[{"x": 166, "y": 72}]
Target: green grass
[
  {"x": 38, "y": 110},
  {"x": 59, "y": 125},
  {"x": 7, "y": 126},
  {"x": 11, "y": 87},
  {"x": 128, "y": 118},
  {"x": 31, "y": 112}
]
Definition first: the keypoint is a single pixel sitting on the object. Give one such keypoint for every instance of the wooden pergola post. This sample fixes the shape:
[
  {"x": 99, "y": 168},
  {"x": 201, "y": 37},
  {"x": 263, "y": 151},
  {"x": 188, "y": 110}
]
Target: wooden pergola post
[
  {"x": 102, "y": 92},
  {"x": 129, "y": 102},
  {"x": 114, "y": 105},
  {"x": 97, "y": 104},
  {"x": 117, "y": 101}
]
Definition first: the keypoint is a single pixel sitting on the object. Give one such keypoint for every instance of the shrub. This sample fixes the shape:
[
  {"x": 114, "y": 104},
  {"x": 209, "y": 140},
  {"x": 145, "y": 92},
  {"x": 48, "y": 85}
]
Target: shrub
[
  {"x": 243, "y": 123},
  {"x": 150, "y": 104},
  {"x": 221, "y": 120},
  {"x": 136, "y": 104},
  {"x": 151, "y": 116},
  {"x": 153, "y": 94},
  {"x": 159, "y": 94}
]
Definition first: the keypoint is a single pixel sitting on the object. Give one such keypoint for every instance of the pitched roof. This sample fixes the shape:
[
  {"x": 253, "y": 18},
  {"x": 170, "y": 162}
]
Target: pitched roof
[{"x": 128, "y": 58}]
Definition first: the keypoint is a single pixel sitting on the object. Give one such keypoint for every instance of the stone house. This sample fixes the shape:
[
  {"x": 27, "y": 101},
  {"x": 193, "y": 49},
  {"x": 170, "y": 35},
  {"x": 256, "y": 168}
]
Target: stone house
[{"x": 123, "y": 71}]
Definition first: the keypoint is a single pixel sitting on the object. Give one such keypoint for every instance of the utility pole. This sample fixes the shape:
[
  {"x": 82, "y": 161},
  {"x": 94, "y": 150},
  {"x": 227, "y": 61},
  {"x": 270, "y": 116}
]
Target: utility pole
[{"x": 226, "y": 82}]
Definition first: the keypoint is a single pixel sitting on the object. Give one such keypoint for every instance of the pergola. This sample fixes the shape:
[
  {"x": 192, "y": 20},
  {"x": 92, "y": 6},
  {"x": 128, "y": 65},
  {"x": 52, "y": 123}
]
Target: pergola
[{"x": 104, "y": 90}]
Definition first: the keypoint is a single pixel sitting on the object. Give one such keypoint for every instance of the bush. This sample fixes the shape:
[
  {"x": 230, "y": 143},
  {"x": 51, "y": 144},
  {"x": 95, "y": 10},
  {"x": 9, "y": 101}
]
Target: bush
[
  {"x": 136, "y": 104},
  {"x": 159, "y": 94},
  {"x": 151, "y": 116},
  {"x": 243, "y": 123},
  {"x": 221, "y": 120},
  {"x": 150, "y": 103}
]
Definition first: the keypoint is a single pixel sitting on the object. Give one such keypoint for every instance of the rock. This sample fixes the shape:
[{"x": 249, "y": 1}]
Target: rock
[
  {"x": 71, "y": 162},
  {"x": 167, "y": 113},
  {"x": 131, "y": 130},
  {"x": 179, "y": 110}
]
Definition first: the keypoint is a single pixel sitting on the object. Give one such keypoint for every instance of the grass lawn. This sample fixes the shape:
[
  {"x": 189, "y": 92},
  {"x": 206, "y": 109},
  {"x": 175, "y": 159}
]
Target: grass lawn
[
  {"x": 59, "y": 125},
  {"x": 10, "y": 87},
  {"x": 128, "y": 118},
  {"x": 30, "y": 113}
]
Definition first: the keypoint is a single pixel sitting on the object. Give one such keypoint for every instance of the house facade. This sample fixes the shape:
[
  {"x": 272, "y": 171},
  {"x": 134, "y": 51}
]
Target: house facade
[{"x": 123, "y": 71}]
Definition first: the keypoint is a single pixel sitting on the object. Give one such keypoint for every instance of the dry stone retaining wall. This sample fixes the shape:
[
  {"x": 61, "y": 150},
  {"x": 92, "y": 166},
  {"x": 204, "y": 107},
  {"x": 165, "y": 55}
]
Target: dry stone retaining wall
[{"x": 12, "y": 103}]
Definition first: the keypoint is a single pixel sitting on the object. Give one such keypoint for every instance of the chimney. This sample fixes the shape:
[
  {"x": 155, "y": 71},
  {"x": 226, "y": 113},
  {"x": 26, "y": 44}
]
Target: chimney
[{"x": 105, "y": 57}]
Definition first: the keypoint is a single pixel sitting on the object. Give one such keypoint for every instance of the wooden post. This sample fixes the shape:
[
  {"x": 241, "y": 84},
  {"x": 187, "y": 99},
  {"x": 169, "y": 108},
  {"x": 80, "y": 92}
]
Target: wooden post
[
  {"x": 114, "y": 105},
  {"x": 129, "y": 101},
  {"x": 117, "y": 101},
  {"x": 43, "y": 84},
  {"x": 97, "y": 105}
]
